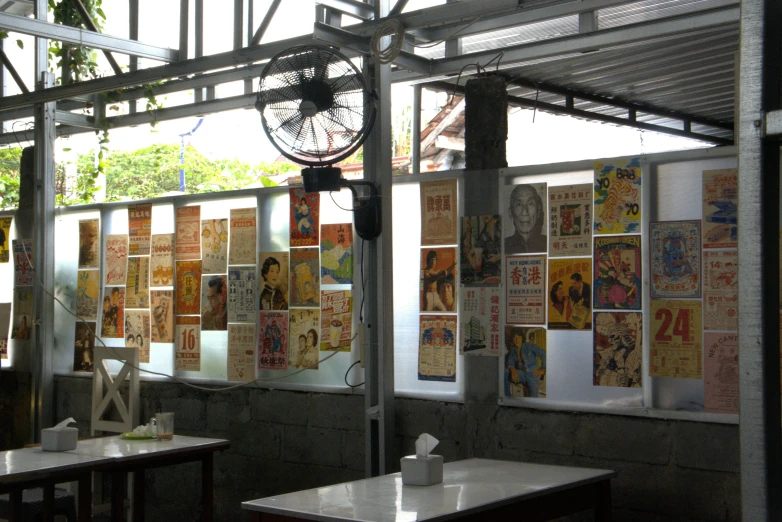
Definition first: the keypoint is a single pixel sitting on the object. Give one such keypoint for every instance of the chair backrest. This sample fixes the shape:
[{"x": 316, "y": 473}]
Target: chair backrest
[{"x": 102, "y": 396}]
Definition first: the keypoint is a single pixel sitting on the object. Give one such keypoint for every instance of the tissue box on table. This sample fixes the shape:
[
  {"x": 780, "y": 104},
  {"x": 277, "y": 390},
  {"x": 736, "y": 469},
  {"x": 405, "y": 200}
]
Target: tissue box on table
[
  {"x": 423, "y": 469},
  {"x": 60, "y": 437}
]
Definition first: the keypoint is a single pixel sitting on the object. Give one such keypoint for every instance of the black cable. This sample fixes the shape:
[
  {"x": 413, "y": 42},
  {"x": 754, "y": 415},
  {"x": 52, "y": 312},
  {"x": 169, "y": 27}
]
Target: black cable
[
  {"x": 348, "y": 371},
  {"x": 337, "y": 204},
  {"x": 363, "y": 294}
]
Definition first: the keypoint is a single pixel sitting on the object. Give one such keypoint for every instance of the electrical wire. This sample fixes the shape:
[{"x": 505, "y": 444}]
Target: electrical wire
[
  {"x": 363, "y": 293},
  {"x": 394, "y": 28},
  {"x": 348, "y": 371}
]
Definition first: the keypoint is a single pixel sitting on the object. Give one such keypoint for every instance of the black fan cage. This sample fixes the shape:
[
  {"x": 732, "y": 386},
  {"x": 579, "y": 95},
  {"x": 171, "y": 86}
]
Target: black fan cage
[{"x": 314, "y": 105}]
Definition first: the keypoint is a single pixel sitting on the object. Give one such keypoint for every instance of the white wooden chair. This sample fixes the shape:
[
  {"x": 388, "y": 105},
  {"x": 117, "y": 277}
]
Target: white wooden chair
[{"x": 106, "y": 390}]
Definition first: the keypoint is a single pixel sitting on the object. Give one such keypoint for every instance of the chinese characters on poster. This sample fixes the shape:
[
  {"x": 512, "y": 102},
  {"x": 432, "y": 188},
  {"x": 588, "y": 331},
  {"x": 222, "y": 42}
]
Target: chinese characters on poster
[
  {"x": 162, "y": 316},
  {"x": 188, "y": 287},
  {"x": 137, "y": 333},
  {"x": 137, "y": 284},
  {"x": 720, "y": 208},
  {"x": 525, "y": 362},
  {"x": 84, "y": 347},
  {"x": 676, "y": 332},
  {"x": 87, "y": 294},
  {"x": 241, "y": 351},
  {"x": 525, "y": 219},
  {"x": 720, "y": 290},
  {"x": 274, "y": 280},
  {"x": 481, "y": 259},
  {"x": 617, "y": 261},
  {"x": 336, "y": 254},
  {"x": 618, "y": 349},
  {"x": 303, "y": 346},
  {"x": 113, "y": 324},
  {"x": 23, "y": 256},
  {"x": 5, "y": 239},
  {"x": 479, "y": 322},
  {"x": 437, "y": 348},
  {"x": 139, "y": 229},
  {"x": 439, "y": 211},
  {"x": 188, "y": 343},
  {"x": 675, "y": 250},
  {"x": 162, "y": 260},
  {"x": 305, "y": 218},
  {"x": 241, "y": 294},
  {"x": 526, "y": 289},
  {"x": 721, "y": 373},
  {"x": 23, "y": 314},
  {"x": 214, "y": 246},
  {"x": 305, "y": 277},
  {"x": 273, "y": 341},
  {"x": 618, "y": 198},
  {"x": 214, "y": 300},
  {"x": 243, "y": 238},
  {"x": 570, "y": 294},
  {"x": 336, "y": 328},
  {"x": 570, "y": 216},
  {"x": 116, "y": 259},
  {"x": 188, "y": 233},
  {"x": 437, "y": 288},
  {"x": 89, "y": 241}
]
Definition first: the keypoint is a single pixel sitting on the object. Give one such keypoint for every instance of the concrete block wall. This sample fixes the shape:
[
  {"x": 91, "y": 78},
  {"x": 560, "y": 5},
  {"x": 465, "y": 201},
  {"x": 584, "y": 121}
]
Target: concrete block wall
[{"x": 15, "y": 394}]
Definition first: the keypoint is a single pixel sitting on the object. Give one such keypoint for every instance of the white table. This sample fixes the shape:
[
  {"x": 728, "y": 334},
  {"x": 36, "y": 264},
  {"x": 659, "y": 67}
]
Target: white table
[{"x": 476, "y": 489}]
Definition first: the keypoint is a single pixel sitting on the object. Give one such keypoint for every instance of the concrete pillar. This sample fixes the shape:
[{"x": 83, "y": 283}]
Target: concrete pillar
[{"x": 485, "y": 123}]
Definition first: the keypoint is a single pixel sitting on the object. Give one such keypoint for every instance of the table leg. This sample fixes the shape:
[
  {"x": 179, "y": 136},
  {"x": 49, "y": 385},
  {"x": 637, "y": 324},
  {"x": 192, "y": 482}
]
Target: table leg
[
  {"x": 138, "y": 495},
  {"x": 207, "y": 478},
  {"x": 48, "y": 502},
  {"x": 117, "y": 496},
  {"x": 603, "y": 510},
  {"x": 85, "y": 498},
  {"x": 16, "y": 505}
]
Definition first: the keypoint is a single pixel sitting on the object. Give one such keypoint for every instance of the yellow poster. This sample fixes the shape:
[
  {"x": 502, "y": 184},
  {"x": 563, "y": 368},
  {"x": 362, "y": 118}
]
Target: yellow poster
[
  {"x": 677, "y": 346},
  {"x": 570, "y": 294},
  {"x": 5, "y": 239},
  {"x": 617, "y": 197}
]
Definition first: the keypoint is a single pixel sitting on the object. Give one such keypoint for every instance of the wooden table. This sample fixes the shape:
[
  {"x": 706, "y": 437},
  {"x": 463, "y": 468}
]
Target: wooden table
[{"x": 473, "y": 489}]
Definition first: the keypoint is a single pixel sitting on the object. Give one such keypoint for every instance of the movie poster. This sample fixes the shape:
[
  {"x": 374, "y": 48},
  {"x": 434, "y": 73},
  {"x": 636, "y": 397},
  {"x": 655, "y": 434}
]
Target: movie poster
[
  {"x": 23, "y": 315},
  {"x": 5, "y": 239},
  {"x": 439, "y": 211},
  {"x": 162, "y": 328},
  {"x": 243, "y": 237},
  {"x": 5, "y": 319},
  {"x": 188, "y": 343},
  {"x": 89, "y": 243},
  {"x": 304, "y": 338},
  {"x": 336, "y": 323},
  {"x": 525, "y": 362},
  {"x": 676, "y": 349},
  {"x": 525, "y": 285},
  {"x": 305, "y": 218},
  {"x": 305, "y": 277},
  {"x": 570, "y": 294},
  {"x": 137, "y": 283},
  {"x": 241, "y": 294},
  {"x": 336, "y": 254},
  {"x": 87, "y": 294},
  {"x": 162, "y": 260},
  {"x": 720, "y": 208},
  {"x": 481, "y": 256},
  {"x": 274, "y": 280},
  {"x": 617, "y": 275},
  {"x": 570, "y": 218},
  {"x": 525, "y": 218},
  {"x": 618, "y": 349},
  {"x": 139, "y": 229},
  {"x": 721, "y": 373},
  {"x": 188, "y": 288},
  {"x": 720, "y": 290},
  {"x": 618, "y": 197},
  {"x": 23, "y": 257},
  {"x": 214, "y": 303},
  {"x": 241, "y": 351},
  {"x": 188, "y": 233},
  {"x": 113, "y": 319},
  {"x": 214, "y": 246},
  {"x": 84, "y": 347},
  {"x": 437, "y": 348},
  {"x": 437, "y": 287},
  {"x": 479, "y": 322},
  {"x": 675, "y": 250},
  {"x": 137, "y": 333},
  {"x": 116, "y": 259},
  {"x": 273, "y": 341}
]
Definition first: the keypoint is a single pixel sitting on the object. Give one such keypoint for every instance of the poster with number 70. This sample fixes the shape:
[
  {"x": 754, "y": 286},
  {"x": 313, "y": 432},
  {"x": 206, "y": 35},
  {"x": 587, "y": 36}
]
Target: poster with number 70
[
  {"x": 677, "y": 339},
  {"x": 188, "y": 343}
]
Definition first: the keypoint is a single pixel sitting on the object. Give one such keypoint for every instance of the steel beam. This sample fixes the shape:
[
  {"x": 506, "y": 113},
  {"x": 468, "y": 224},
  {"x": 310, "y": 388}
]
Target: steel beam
[
  {"x": 398, "y": 6},
  {"x": 267, "y": 19},
  {"x": 11, "y": 69},
  {"x": 133, "y": 10},
  {"x": 354, "y": 8},
  {"x": 90, "y": 23},
  {"x": 75, "y": 120},
  {"x": 184, "y": 24}
]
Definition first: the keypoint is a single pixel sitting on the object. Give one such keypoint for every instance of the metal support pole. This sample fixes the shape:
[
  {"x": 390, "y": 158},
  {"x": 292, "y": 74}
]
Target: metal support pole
[
  {"x": 199, "y": 42},
  {"x": 248, "y": 84},
  {"x": 88, "y": 21},
  {"x": 238, "y": 23},
  {"x": 8, "y": 65},
  {"x": 184, "y": 24},
  {"x": 453, "y": 47},
  {"x": 133, "y": 35},
  {"x": 267, "y": 19},
  {"x": 415, "y": 131}
]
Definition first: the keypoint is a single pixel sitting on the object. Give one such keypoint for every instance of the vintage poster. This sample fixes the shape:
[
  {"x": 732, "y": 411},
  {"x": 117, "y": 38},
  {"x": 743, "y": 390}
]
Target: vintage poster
[
  {"x": 214, "y": 299},
  {"x": 336, "y": 320},
  {"x": 305, "y": 277},
  {"x": 303, "y": 346},
  {"x": 23, "y": 257},
  {"x": 570, "y": 219},
  {"x": 5, "y": 239},
  {"x": 84, "y": 346},
  {"x": 675, "y": 251},
  {"x": 273, "y": 341},
  {"x": 89, "y": 243},
  {"x": 570, "y": 294},
  {"x": 187, "y": 244},
  {"x": 437, "y": 287},
  {"x": 525, "y": 288},
  {"x": 214, "y": 246},
  {"x": 241, "y": 351},
  {"x": 139, "y": 229},
  {"x": 525, "y": 362},
  {"x": 5, "y": 319},
  {"x": 116, "y": 259},
  {"x": 721, "y": 373},
  {"x": 617, "y": 274},
  {"x": 720, "y": 208},
  {"x": 618, "y": 349},
  {"x": 188, "y": 343},
  {"x": 481, "y": 251},
  {"x": 439, "y": 211},
  {"x": 336, "y": 254},
  {"x": 23, "y": 314},
  {"x": 241, "y": 294},
  {"x": 188, "y": 288},
  {"x": 137, "y": 333},
  {"x": 162, "y": 328},
  {"x": 676, "y": 332},
  {"x": 479, "y": 322},
  {"x": 437, "y": 348},
  {"x": 525, "y": 218},
  {"x": 243, "y": 237},
  {"x": 87, "y": 294},
  {"x": 274, "y": 280},
  {"x": 305, "y": 218},
  {"x": 113, "y": 320},
  {"x": 618, "y": 197},
  {"x": 137, "y": 283},
  {"x": 162, "y": 260},
  {"x": 720, "y": 290}
]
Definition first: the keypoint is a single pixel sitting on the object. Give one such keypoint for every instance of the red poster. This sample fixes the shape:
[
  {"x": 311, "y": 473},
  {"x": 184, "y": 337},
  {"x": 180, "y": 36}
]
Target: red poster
[{"x": 305, "y": 218}]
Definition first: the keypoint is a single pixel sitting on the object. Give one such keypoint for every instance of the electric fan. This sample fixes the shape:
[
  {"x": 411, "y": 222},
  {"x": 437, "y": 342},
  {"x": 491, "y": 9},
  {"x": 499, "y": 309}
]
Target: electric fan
[{"x": 317, "y": 110}]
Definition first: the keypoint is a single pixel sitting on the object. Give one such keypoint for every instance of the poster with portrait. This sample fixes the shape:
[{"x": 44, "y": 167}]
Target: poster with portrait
[
  {"x": 570, "y": 220},
  {"x": 87, "y": 294},
  {"x": 241, "y": 294},
  {"x": 305, "y": 277},
  {"x": 479, "y": 322},
  {"x": 137, "y": 333},
  {"x": 188, "y": 288},
  {"x": 720, "y": 208},
  {"x": 89, "y": 243},
  {"x": 437, "y": 287},
  {"x": 116, "y": 259},
  {"x": 23, "y": 314},
  {"x": 274, "y": 280},
  {"x": 676, "y": 339},
  {"x": 439, "y": 211},
  {"x": 162, "y": 260},
  {"x": 241, "y": 351},
  {"x": 304, "y": 330},
  {"x": 243, "y": 237},
  {"x": 481, "y": 251},
  {"x": 525, "y": 362},
  {"x": 618, "y": 198},
  {"x": 721, "y": 373},
  {"x": 675, "y": 251},
  {"x": 525, "y": 287},
  {"x": 214, "y": 246},
  {"x": 139, "y": 229},
  {"x": 5, "y": 239},
  {"x": 437, "y": 348},
  {"x": 720, "y": 290},
  {"x": 525, "y": 218},
  {"x": 5, "y": 320},
  {"x": 336, "y": 320},
  {"x": 305, "y": 218},
  {"x": 570, "y": 294},
  {"x": 617, "y": 272},
  {"x": 162, "y": 327},
  {"x": 84, "y": 346},
  {"x": 137, "y": 283},
  {"x": 187, "y": 245},
  {"x": 273, "y": 341},
  {"x": 214, "y": 300},
  {"x": 188, "y": 343},
  {"x": 336, "y": 254},
  {"x": 113, "y": 317},
  {"x": 618, "y": 349},
  {"x": 23, "y": 257}
]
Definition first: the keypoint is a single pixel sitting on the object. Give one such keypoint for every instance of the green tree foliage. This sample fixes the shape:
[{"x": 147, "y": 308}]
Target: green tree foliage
[{"x": 9, "y": 177}]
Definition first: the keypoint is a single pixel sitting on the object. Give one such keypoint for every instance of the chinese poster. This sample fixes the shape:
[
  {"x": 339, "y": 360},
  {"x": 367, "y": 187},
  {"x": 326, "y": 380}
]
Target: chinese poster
[
  {"x": 525, "y": 218},
  {"x": 336, "y": 254},
  {"x": 721, "y": 373},
  {"x": 23, "y": 315},
  {"x": 439, "y": 211},
  {"x": 214, "y": 299},
  {"x": 303, "y": 346},
  {"x": 137, "y": 284},
  {"x": 618, "y": 349},
  {"x": 437, "y": 348},
  {"x": 479, "y": 322},
  {"x": 139, "y": 229},
  {"x": 84, "y": 347},
  {"x": 305, "y": 277},
  {"x": 241, "y": 294},
  {"x": 23, "y": 256},
  {"x": 570, "y": 294},
  {"x": 88, "y": 294},
  {"x": 720, "y": 208},
  {"x": 162, "y": 260},
  {"x": 617, "y": 274},
  {"x": 243, "y": 237},
  {"x": 188, "y": 287},
  {"x": 188, "y": 233},
  {"x": 676, "y": 349},
  {"x": 113, "y": 320},
  {"x": 305, "y": 217},
  {"x": 617, "y": 197},
  {"x": 241, "y": 351},
  {"x": 5, "y": 239},
  {"x": 116, "y": 259},
  {"x": 525, "y": 362},
  {"x": 720, "y": 290},
  {"x": 438, "y": 287},
  {"x": 162, "y": 316},
  {"x": 570, "y": 216},
  {"x": 5, "y": 319},
  {"x": 137, "y": 334},
  {"x": 525, "y": 285},
  {"x": 214, "y": 245},
  {"x": 273, "y": 341},
  {"x": 274, "y": 280},
  {"x": 188, "y": 343},
  {"x": 481, "y": 256},
  {"x": 675, "y": 250},
  {"x": 336, "y": 324},
  {"x": 89, "y": 242}
]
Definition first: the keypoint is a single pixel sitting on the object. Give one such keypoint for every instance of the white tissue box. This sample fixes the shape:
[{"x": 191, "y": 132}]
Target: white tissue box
[
  {"x": 59, "y": 439},
  {"x": 422, "y": 471}
]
